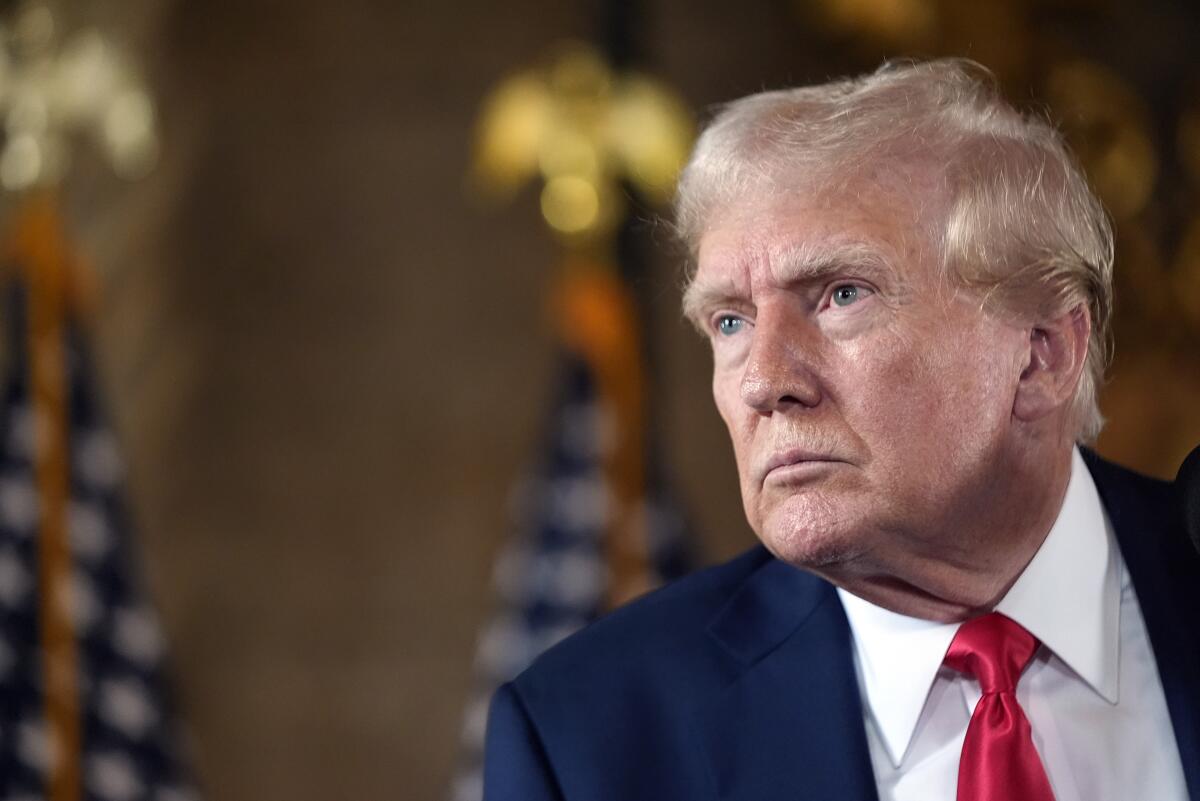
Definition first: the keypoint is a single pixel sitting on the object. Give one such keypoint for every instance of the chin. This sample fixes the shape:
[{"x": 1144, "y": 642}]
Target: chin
[{"x": 805, "y": 532}]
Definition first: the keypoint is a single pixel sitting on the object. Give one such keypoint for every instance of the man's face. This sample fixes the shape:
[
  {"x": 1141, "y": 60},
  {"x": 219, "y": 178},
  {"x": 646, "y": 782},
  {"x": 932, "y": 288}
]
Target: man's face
[{"x": 867, "y": 399}]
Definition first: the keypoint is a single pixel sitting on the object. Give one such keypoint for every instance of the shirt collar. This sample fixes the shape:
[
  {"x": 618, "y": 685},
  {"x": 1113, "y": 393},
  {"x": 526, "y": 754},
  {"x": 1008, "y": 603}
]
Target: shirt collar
[{"x": 1068, "y": 597}]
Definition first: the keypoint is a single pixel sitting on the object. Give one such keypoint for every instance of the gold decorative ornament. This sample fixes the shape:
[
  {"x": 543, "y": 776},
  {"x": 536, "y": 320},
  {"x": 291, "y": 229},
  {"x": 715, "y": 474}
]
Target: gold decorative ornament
[
  {"x": 52, "y": 88},
  {"x": 583, "y": 130}
]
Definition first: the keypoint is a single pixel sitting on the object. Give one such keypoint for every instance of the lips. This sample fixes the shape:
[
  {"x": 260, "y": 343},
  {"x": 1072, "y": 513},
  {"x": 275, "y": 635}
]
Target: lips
[{"x": 795, "y": 457}]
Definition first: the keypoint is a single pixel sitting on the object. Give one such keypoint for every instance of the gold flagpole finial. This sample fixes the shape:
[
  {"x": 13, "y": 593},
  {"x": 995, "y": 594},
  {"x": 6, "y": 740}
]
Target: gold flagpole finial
[
  {"x": 53, "y": 87},
  {"x": 583, "y": 130}
]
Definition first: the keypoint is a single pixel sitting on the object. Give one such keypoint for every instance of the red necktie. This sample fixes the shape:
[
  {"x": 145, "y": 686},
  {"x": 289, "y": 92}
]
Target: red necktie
[{"x": 999, "y": 762}]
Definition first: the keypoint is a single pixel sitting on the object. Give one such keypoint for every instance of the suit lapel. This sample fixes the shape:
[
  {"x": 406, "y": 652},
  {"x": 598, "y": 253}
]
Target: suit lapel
[
  {"x": 789, "y": 727},
  {"x": 1165, "y": 571}
]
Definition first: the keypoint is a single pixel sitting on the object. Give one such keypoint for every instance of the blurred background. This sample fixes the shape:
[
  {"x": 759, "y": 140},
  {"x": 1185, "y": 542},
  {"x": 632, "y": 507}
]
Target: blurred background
[{"x": 344, "y": 325}]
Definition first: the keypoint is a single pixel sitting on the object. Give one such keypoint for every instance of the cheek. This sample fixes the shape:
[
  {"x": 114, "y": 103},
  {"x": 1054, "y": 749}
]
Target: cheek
[
  {"x": 933, "y": 406},
  {"x": 884, "y": 386},
  {"x": 971, "y": 384},
  {"x": 727, "y": 397},
  {"x": 740, "y": 420}
]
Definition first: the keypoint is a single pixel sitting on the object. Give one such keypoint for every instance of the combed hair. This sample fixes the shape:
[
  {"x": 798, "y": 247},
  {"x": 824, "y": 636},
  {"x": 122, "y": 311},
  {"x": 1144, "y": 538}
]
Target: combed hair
[{"x": 1020, "y": 226}]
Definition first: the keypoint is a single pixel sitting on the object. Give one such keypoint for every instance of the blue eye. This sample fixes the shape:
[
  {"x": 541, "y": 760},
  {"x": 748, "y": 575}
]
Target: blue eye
[
  {"x": 846, "y": 294},
  {"x": 728, "y": 325}
]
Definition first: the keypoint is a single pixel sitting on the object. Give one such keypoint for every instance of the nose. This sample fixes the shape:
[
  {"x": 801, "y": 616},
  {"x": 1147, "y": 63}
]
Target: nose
[{"x": 780, "y": 372}]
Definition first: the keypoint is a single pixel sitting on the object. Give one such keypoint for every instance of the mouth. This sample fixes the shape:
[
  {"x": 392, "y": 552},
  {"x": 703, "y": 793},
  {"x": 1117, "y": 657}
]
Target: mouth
[{"x": 798, "y": 465}]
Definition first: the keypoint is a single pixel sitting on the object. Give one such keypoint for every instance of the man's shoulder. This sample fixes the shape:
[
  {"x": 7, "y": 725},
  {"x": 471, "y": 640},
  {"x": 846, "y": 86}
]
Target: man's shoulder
[
  {"x": 1148, "y": 518},
  {"x": 653, "y": 633},
  {"x": 614, "y": 708},
  {"x": 682, "y": 642},
  {"x": 1138, "y": 505},
  {"x": 1121, "y": 485}
]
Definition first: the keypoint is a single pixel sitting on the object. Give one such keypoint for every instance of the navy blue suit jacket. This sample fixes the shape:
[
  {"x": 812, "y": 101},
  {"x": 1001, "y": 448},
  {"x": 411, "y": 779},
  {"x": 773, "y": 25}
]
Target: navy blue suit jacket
[{"x": 738, "y": 683}]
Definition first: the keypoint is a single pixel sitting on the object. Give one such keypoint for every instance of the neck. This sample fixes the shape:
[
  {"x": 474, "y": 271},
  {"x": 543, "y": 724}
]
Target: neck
[{"x": 966, "y": 569}]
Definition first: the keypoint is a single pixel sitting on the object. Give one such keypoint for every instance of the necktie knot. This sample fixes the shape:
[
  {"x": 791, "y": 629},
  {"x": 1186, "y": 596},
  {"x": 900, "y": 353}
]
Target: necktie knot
[
  {"x": 994, "y": 649},
  {"x": 999, "y": 760}
]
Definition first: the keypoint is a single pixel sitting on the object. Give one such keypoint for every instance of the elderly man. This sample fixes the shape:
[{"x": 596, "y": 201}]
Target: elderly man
[{"x": 906, "y": 285}]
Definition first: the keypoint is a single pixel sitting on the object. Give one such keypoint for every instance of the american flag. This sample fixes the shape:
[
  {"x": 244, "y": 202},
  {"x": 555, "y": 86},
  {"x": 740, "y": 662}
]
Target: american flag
[
  {"x": 129, "y": 743},
  {"x": 553, "y": 578}
]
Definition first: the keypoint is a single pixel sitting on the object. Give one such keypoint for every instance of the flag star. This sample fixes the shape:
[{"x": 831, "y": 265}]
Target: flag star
[
  {"x": 18, "y": 503},
  {"x": 579, "y": 505},
  {"x": 136, "y": 636},
  {"x": 21, "y": 435},
  {"x": 113, "y": 777},
  {"x": 125, "y": 705},
  {"x": 574, "y": 580},
  {"x": 173, "y": 793},
  {"x": 98, "y": 460},
  {"x": 91, "y": 537},
  {"x": 34, "y": 746},
  {"x": 15, "y": 580},
  {"x": 504, "y": 648}
]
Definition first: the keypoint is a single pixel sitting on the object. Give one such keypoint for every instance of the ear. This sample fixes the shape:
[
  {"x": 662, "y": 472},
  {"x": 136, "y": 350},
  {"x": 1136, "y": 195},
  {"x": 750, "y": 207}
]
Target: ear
[{"x": 1055, "y": 359}]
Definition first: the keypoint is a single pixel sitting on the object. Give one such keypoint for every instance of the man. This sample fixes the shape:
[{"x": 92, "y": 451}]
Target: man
[{"x": 906, "y": 285}]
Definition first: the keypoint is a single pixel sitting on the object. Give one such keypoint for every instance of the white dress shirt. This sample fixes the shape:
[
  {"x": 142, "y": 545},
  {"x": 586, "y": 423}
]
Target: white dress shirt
[{"x": 1092, "y": 692}]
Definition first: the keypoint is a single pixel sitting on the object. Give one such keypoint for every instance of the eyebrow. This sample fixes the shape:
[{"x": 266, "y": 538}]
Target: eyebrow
[{"x": 804, "y": 263}]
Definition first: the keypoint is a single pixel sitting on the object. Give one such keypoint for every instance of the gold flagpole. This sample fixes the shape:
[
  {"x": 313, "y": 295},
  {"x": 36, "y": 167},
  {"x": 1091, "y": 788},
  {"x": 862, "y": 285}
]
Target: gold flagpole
[{"x": 40, "y": 251}]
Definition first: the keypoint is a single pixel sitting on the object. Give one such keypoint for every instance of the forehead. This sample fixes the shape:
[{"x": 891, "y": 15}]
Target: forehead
[{"x": 868, "y": 224}]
